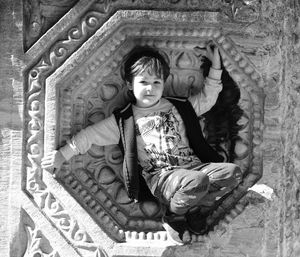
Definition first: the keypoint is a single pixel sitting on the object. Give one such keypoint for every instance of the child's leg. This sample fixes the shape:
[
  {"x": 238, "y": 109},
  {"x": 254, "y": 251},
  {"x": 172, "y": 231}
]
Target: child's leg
[
  {"x": 223, "y": 177},
  {"x": 183, "y": 189},
  {"x": 180, "y": 190}
]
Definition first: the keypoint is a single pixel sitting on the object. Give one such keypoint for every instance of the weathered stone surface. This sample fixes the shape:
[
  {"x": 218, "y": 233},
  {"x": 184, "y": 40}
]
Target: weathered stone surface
[
  {"x": 11, "y": 106},
  {"x": 90, "y": 92},
  {"x": 81, "y": 215}
]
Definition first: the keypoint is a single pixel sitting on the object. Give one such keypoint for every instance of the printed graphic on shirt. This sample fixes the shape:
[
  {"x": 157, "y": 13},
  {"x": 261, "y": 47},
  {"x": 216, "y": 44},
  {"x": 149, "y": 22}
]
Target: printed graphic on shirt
[{"x": 162, "y": 142}]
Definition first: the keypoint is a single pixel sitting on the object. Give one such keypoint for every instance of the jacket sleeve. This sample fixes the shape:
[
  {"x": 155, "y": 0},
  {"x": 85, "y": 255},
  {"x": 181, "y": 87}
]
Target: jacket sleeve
[
  {"x": 105, "y": 132},
  {"x": 206, "y": 99}
]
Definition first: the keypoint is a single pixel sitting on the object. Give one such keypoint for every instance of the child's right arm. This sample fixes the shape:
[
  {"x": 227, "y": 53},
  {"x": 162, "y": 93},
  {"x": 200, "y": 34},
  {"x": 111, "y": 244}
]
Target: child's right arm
[{"x": 105, "y": 132}]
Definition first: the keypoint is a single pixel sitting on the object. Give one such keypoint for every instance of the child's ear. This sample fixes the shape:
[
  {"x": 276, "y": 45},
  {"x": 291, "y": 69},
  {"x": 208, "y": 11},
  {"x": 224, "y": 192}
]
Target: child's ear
[{"x": 129, "y": 85}]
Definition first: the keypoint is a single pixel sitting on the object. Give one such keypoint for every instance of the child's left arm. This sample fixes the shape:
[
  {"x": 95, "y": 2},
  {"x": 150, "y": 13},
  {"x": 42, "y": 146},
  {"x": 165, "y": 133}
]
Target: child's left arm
[{"x": 206, "y": 99}]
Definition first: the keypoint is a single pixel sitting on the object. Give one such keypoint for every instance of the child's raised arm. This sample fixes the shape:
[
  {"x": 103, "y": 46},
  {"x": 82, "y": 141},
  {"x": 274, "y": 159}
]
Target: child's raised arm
[
  {"x": 214, "y": 56},
  {"x": 206, "y": 99}
]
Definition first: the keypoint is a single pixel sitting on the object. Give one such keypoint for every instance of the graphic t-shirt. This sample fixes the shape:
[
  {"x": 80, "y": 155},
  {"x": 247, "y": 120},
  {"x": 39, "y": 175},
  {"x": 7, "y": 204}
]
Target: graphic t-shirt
[{"x": 161, "y": 137}]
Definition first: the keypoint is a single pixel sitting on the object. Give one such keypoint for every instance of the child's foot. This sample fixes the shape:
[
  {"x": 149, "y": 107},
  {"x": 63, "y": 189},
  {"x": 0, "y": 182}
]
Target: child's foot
[
  {"x": 196, "y": 221},
  {"x": 176, "y": 227}
]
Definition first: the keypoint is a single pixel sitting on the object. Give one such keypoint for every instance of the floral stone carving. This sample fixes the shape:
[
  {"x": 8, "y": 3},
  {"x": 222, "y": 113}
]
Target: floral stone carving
[
  {"x": 37, "y": 244},
  {"x": 77, "y": 82},
  {"x": 40, "y": 15}
]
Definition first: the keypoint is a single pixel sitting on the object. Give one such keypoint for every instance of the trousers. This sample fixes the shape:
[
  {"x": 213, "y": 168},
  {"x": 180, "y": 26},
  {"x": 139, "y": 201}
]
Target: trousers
[{"x": 182, "y": 189}]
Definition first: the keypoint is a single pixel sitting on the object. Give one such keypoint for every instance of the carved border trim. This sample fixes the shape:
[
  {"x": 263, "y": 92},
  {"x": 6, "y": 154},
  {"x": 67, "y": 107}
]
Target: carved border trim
[
  {"x": 246, "y": 11},
  {"x": 248, "y": 79},
  {"x": 62, "y": 50},
  {"x": 38, "y": 222}
]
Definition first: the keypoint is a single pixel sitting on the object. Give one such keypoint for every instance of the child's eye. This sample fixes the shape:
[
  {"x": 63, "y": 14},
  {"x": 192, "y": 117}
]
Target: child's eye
[{"x": 157, "y": 82}]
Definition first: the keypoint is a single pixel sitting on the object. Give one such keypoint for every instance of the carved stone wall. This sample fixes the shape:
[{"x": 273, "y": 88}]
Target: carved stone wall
[{"x": 61, "y": 73}]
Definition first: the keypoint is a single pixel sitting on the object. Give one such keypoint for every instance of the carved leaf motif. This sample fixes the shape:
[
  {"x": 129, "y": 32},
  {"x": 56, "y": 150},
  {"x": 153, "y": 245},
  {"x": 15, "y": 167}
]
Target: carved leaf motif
[
  {"x": 193, "y": 3},
  {"x": 99, "y": 253},
  {"x": 96, "y": 151},
  {"x": 121, "y": 196},
  {"x": 108, "y": 91},
  {"x": 93, "y": 168},
  {"x": 38, "y": 245},
  {"x": 96, "y": 116},
  {"x": 241, "y": 149},
  {"x": 106, "y": 175},
  {"x": 242, "y": 10},
  {"x": 33, "y": 20},
  {"x": 114, "y": 156},
  {"x": 184, "y": 61},
  {"x": 35, "y": 243},
  {"x": 40, "y": 15},
  {"x": 150, "y": 209}
]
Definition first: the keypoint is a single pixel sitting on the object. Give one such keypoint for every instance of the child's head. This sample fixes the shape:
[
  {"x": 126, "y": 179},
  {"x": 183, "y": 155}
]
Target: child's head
[
  {"x": 143, "y": 58},
  {"x": 145, "y": 71}
]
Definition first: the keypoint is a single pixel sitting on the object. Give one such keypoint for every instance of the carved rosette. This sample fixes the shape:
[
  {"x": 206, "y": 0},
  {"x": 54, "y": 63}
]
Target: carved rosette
[{"x": 86, "y": 87}]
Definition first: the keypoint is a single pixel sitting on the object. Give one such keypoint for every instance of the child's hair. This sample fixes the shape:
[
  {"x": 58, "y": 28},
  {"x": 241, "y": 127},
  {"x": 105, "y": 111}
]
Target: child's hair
[{"x": 140, "y": 59}]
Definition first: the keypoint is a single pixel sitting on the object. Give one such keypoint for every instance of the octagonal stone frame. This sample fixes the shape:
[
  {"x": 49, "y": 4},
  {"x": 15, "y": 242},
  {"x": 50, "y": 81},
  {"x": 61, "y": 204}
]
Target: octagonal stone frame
[{"x": 44, "y": 135}]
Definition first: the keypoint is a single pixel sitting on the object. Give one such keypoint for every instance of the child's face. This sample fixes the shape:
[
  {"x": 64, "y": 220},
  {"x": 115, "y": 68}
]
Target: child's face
[{"x": 147, "y": 88}]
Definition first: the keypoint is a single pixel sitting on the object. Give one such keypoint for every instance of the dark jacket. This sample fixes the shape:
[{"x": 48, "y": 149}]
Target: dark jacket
[{"x": 135, "y": 184}]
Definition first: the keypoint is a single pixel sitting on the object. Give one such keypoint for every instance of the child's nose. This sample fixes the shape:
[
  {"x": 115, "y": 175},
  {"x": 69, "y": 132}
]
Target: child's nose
[{"x": 149, "y": 87}]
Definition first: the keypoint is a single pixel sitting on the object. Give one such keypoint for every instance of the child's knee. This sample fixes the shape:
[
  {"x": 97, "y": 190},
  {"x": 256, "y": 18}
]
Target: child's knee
[
  {"x": 199, "y": 182},
  {"x": 235, "y": 173},
  {"x": 190, "y": 194}
]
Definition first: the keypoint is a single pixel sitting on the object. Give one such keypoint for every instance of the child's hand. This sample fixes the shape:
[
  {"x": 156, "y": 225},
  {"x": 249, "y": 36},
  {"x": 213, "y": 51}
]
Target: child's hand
[
  {"x": 52, "y": 160},
  {"x": 213, "y": 55}
]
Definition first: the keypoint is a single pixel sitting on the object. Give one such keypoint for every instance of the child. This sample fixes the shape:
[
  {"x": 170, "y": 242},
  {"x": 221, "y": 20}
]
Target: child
[{"x": 161, "y": 140}]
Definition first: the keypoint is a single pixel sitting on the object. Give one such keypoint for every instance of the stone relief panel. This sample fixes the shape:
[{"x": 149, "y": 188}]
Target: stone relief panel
[
  {"x": 242, "y": 10},
  {"x": 40, "y": 15},
  {"x": 86, "y": 87}
]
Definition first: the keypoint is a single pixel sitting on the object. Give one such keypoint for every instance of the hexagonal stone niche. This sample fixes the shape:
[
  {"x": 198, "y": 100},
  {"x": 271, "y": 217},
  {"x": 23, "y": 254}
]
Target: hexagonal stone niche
[{"x": 87, "y": 87}]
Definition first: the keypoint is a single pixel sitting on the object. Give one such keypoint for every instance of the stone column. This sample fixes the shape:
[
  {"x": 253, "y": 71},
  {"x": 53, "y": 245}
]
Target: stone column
[
  {"x": 289, "y": 117},
  {"x": 11, "y": 121}
]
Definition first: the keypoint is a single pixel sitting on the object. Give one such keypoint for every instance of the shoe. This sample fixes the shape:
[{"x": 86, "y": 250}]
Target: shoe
[
  {"x": 196, "y": 221},
  {"x": 175, "y": 227}
]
